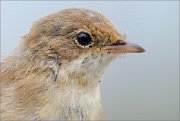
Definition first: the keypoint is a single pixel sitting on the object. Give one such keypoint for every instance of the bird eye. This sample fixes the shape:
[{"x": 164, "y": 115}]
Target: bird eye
[{"x": 84, "y": 39}]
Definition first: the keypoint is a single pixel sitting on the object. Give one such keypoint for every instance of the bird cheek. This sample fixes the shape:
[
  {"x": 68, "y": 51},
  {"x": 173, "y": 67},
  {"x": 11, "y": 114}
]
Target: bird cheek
[{"x": 96, "y": 50}]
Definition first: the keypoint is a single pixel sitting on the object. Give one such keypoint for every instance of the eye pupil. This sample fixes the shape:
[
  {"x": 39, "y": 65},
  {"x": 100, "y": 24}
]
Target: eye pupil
[{"x": 84, "y": 38}]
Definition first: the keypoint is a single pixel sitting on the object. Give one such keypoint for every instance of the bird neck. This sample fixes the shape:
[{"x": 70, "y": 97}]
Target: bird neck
[
  {"x": 72, "y": 74},
  {"x": 72, "y": 104}
]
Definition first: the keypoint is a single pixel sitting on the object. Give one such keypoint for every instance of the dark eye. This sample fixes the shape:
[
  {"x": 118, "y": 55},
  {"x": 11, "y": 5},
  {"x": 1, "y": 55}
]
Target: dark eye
[{"x": 84, "y": 39}]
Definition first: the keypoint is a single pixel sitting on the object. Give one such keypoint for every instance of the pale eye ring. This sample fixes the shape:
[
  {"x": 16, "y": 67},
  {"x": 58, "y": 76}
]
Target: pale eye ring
[{"x": 84, "y": 40}]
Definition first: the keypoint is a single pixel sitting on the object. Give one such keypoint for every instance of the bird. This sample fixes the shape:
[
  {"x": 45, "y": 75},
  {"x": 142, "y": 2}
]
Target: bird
[{"x": 55, "y": 71}]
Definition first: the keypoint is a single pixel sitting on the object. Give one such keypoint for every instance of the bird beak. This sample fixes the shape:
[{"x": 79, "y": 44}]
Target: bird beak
[{"x": 126, "y": 47}]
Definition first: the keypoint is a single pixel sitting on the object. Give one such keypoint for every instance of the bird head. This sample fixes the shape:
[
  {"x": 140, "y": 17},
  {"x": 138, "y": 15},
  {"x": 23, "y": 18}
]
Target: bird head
[{"x": 80, "y": 42}]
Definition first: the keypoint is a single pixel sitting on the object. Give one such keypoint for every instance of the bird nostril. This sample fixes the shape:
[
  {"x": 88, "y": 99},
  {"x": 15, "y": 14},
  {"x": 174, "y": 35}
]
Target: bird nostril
[{"x": 119, "y": 42}]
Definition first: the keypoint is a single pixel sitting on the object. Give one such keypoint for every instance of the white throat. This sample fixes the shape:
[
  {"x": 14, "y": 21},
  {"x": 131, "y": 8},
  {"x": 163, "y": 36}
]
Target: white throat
[
  {"x": 78, "y": 97},
  {"x": 88, "y": 70}
]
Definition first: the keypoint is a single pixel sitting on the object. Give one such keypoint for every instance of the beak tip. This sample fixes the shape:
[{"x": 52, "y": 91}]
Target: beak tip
[
  {"x": 141, "y": 50},
  {"x": 133, "y": 48}
]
